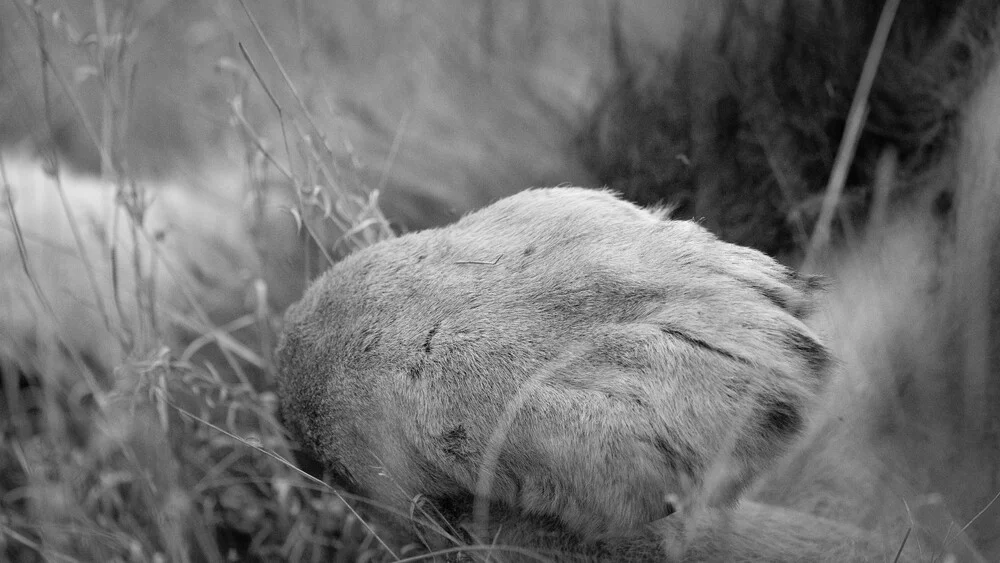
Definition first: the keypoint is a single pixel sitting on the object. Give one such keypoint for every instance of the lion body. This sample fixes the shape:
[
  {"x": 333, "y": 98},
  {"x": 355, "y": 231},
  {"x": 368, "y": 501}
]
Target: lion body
[{"x": 563, "y": 354}]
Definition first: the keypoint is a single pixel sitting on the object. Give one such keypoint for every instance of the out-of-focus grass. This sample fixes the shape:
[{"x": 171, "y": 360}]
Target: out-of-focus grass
[
  {"x": 444, "y": 109},
  {"x": 140, "y": 420},
  {"x": 174, "y": 173}
]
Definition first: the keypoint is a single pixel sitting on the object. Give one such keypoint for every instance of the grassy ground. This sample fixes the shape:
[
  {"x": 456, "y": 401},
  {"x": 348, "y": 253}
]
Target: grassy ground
[{"x": 175, "y": 172}]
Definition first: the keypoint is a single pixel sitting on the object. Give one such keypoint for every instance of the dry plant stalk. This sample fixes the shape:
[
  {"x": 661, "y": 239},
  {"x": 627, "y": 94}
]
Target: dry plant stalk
[{"x": 856, "y": 118}]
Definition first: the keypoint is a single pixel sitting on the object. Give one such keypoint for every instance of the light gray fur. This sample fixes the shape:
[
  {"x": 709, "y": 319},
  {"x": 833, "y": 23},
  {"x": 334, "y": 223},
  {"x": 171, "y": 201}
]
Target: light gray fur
[{"x": 645, "y": 350}]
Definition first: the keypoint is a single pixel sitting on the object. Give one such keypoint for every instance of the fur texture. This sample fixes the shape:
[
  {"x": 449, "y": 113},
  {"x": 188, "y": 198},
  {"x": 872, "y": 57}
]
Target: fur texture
[{"x": 563, "y": 353}]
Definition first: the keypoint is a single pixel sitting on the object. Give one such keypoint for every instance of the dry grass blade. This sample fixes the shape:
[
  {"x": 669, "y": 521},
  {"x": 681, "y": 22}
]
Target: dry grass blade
[
  {"x": 43, "y": 301},
  {"x": 48, "y": 554},
  {"x": 436, "y": 522},
  {"x": 356, "y": 229},
  {"x": 393, "y": 151},
  {"x": 318, "y": 159},
  {"x": 221, "y": 336},
  {"x": 46, "y": 65},
  {"x": 289, "y": 465},
  {"x": 258, "y": 142},
  {"x": 22, "y": 248},
  {"x": 902, "y": 544},
  {"x": 856, "y": 118},
  {"x": 281, "y": 68},
  {"x": 190, "y": 296},
  {"x": 274, "y": 101},
  {"x": 498, "y": 439},
  {"x": 78, "y": 106},
  {"x": 980, "y": 513},
  {"x": 469, "y": 549}
]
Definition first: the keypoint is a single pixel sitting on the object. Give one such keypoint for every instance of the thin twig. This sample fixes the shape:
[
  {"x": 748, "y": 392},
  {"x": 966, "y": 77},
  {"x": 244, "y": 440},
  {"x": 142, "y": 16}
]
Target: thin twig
[
  {"x": 856, "y": 118},
  {"x": 902, "y": 544},
  {"x": 189, "y": 296},
  {"x": 281, "y": 68},
  {"x": 43, "y": 301},
  {"x": 57, "y": 176},
  {"x": 489, "y": 549},
  {"x": 22, "y": 248},
  {"x": 980, "y": 513},
  {"x": 277, "y": 106},
  {"x": 70, "y": 94},
  {"x": 393, "y": 150},
  {"x": 221, "y": 336},
  {"x": 319, "y": 160},
  {"x": 259, "y": 143},
  {"x": 483, "y": 262}
]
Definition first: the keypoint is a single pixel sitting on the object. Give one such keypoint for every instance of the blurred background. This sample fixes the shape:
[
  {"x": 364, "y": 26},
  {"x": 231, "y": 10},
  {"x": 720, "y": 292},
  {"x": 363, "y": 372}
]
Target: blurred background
[{"x": 447, "y": 105}]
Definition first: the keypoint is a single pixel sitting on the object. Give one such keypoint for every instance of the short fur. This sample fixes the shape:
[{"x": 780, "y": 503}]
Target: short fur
[{"x": 571, "y": 356}]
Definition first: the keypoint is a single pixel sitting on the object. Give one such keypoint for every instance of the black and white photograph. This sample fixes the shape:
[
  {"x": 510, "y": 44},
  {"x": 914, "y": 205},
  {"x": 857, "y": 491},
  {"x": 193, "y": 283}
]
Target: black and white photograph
[{"x": 499, "y": 281}]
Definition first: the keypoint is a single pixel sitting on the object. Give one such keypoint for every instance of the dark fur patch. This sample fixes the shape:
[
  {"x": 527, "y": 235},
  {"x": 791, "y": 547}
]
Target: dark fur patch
[
  {"x": 414, "y": 372},
  {"x": 781, "y": 418},
  {"x": 803, "y": 286},
  {"x": 699, "y": 343},
  {"x": 777, "y": 300},
  {"x": 453, "y": 507},
  {"x": 680, "y": 461},
  {"x": 343, "y": 478},
  {"x": 943, "y": 203},
  {"x": 430, "y": 336},
  {"x": 816, "y": 355},
  {"x": 619, "y": 350},
  {"x": 370, "y": 339},
  {"x": 455, "y": 443}
]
